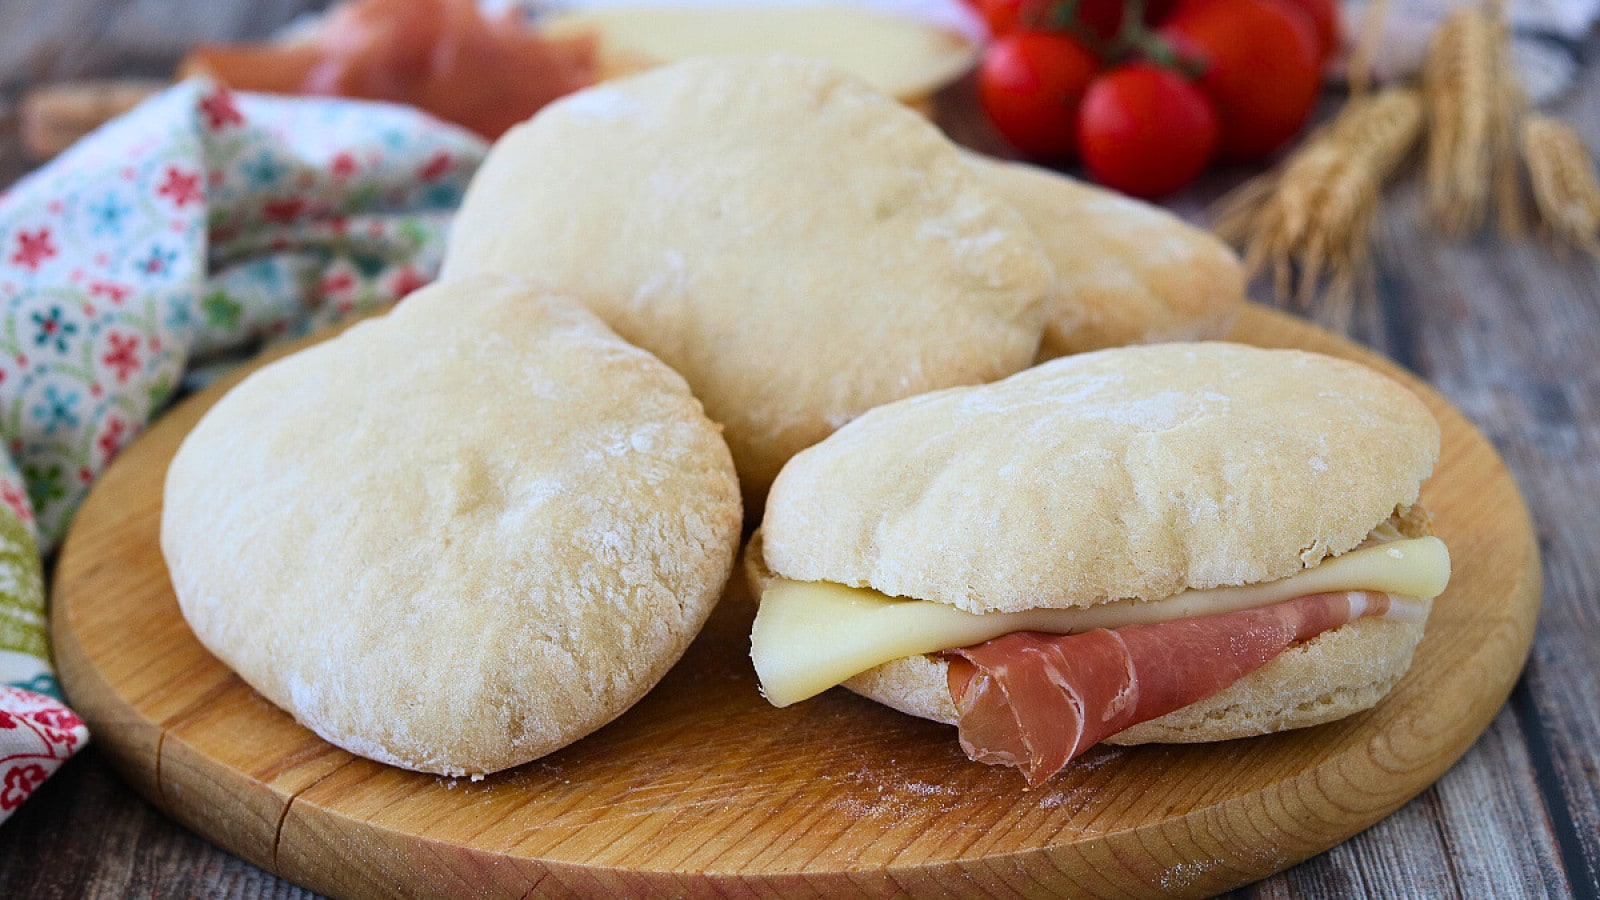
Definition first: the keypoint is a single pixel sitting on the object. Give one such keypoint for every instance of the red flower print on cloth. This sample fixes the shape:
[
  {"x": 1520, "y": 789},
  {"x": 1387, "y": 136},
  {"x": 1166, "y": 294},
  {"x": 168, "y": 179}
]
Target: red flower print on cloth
[
  {"x": 110, "y": 440},
  {"x": 116, "y": 293},
  {"x": 437, "y": 167},
  {"x": 338, "y": 283},
  {"x": 344, "y": 165},
  {"x": 408, "y": 279},
  {"x": 20, "y": 781},
  {"x": 33, "y": 248},
  {"x": 180, "y": 188},
  {"x": 60, "y": 726},
  {"x": 286, "y": 210},
  {"x": 123, "y": 356},
  {"x": 219, "y": 110},
  {"x": 37, "y": 735},
  {"x": 58, "y": 718},
  {"x": 16, "y": 499}
]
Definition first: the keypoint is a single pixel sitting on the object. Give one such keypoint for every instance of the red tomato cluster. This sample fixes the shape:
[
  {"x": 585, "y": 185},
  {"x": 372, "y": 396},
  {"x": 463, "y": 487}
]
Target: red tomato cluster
[{"x": 1148, "y": 100}]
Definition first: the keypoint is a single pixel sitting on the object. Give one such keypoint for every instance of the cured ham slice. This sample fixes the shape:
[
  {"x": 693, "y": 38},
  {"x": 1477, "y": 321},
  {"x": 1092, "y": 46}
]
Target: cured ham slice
[
  {"x": 443, "y": 56},
  {"x": 1035, "y": 701}
]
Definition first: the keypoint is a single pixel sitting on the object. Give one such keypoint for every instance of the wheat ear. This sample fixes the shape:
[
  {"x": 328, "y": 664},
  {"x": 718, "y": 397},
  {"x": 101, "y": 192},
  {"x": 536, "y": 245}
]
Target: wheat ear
[{"x": 1565, "y": 189}]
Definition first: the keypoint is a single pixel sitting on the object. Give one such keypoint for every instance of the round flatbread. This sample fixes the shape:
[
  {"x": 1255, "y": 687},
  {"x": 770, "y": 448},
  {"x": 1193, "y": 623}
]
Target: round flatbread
[
  {"x": 457, "y": 537},
  {"x": 1130, "y": 473},
  {"x": 798, "y": 246},
  {"x": 1127, "y": 272}
]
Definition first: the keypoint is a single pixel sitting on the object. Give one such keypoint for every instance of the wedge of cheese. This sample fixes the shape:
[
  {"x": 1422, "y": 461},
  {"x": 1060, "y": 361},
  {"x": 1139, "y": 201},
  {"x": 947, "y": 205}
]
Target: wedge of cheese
[
  {"x": 901, "y": 56},
  {"x": 811, "y": 636}
]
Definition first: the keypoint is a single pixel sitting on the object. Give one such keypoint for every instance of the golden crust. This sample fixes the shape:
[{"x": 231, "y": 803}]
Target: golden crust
[{"x": 1126, "y": 272}]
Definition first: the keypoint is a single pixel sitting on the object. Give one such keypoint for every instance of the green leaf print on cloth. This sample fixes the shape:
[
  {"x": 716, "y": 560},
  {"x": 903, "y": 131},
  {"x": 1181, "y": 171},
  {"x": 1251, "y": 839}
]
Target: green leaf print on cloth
[{"x": 24, "y": 625}]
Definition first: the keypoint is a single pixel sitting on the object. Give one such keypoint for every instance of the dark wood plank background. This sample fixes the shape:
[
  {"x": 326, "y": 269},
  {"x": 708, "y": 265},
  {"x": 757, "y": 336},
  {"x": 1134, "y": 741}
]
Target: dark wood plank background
[{"x": 1509, "y": 331}]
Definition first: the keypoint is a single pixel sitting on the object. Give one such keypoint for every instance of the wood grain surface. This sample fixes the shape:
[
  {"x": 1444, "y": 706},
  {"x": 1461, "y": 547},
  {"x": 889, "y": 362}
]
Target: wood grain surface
[{"x": 704, "y": 787}]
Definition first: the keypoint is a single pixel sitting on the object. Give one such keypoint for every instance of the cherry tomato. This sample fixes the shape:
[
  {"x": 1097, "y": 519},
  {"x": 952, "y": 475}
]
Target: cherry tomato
[
  {"x": 1002, "y": 16},
  {"x": 1262, "y": 69},
  {"x": 1157, "y": 11},
  {"x": 1103, "y": 18},
  {"x": 1094, "y": 20},
  {"x": 1145, "y": 131},
  {"x": 1324, "y": 20},
  {"x": 1030, "y": 84}
]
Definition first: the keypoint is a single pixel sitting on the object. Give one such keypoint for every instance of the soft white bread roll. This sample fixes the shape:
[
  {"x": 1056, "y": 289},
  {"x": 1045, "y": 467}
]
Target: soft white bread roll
[
  {"x": 798, "y": 246},
  {"x": 457, "y": 537},
  {"x": 1127, "y": 272},
  {"x": 1122, "y": 474}
]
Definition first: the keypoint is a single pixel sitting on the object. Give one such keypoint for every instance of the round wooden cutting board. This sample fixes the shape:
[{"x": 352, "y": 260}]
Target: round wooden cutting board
[{"x": 702, "y": 788}]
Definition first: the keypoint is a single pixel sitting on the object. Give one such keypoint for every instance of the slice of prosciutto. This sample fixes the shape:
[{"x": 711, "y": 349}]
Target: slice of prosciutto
[
  {"x": 444, "y": 56},
  {"x": 1035, "y": 701}
]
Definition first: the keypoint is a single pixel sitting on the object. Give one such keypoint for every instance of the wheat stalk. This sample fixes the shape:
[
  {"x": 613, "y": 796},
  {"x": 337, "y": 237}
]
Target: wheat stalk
[
  {"x": 1313, "y": 217},
  {"x": 1358, "y": 70},
  {"x": 1472, "y": 107},
  {"x": 1565, "y": 189}
]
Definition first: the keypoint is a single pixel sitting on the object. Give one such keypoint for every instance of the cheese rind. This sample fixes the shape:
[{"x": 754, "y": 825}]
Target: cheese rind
[{"x": 810, "y": 636}]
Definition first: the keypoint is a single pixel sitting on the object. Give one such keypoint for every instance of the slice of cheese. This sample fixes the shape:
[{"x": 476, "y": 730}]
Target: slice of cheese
[
  {"x": 810, "y": 636},
  {"x": 899, "y": 55}
]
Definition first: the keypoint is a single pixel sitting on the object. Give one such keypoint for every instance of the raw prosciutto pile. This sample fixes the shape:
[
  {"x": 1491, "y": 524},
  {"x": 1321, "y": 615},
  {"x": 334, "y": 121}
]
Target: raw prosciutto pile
[
  {"x": 1035, "y": 701},
  {"x": 442, "y": 56}
]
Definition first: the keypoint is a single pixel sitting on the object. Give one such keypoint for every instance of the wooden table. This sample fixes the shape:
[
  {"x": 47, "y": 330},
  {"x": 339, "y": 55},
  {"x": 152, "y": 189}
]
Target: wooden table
[{"x": 1510, "y": 332}]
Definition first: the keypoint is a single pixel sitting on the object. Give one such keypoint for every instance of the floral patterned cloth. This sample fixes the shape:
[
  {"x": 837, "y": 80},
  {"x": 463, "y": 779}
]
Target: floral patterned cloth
[{"x": 191, "y": 229}]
